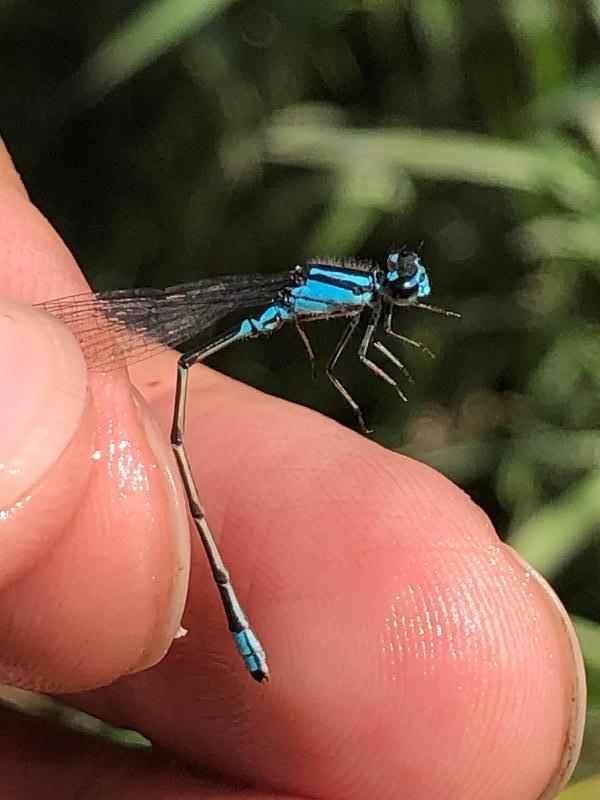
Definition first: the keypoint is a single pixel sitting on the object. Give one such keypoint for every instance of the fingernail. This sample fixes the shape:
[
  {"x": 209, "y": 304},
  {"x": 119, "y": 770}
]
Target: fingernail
[
  {"x": 42, "y": 395},
  {"x": 575, "y": 693}
]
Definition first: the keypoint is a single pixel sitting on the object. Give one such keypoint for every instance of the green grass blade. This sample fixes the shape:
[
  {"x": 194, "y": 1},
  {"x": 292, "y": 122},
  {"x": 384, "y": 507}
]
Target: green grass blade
[
  {"x": 553, "y": 536},
  {"x": 152, "y": 30}
]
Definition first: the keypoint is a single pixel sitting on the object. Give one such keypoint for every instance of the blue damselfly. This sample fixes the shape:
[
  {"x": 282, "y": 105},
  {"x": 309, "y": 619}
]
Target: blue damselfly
[{"x": 120, "y": 327}]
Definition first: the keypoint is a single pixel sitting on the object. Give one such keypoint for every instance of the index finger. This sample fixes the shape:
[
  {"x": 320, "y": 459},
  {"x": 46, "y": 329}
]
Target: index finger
[{"x": 411, "y": 652}]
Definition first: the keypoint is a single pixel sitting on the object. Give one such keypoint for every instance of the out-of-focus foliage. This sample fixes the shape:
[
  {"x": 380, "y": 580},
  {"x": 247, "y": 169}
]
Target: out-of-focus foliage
[
  {"x": 170, "y": 139},
  {"x": 585, "y": 790}
]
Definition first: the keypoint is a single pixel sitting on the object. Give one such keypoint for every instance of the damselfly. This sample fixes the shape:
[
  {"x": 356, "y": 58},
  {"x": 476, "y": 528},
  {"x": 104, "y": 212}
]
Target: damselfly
[{"x": 120, "y": 327}]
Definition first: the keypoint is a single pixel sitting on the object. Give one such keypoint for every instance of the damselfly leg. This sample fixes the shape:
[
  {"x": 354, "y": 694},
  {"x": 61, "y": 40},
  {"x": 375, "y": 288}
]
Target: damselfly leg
[
  {"x": 346, "y": 336},
  {"x": 245, "y": 639},
  {"x": 394, "y": 359},
  {"x": 435, "y": 309},
  {"x": 364, "y": 347},
  {"x": 308, "y": 347},
  {"x": 387, "y": 327}
]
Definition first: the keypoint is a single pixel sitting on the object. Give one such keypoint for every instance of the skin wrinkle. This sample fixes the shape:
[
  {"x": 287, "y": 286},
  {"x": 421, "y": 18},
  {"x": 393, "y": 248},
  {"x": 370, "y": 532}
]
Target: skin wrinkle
[
  {"x": 422, "y": 625},
  {"x": 226, "y": 500}
]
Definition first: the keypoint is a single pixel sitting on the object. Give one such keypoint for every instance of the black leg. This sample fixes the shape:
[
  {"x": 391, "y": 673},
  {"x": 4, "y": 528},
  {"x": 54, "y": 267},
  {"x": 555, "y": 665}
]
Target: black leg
[
  {"x": 245, "y": 639},
  {"x": 349, "y": 330},
  {"x": 388, "y": 329},
  {"x": 435, "y": 309},
  {"x": 364, "y": 346},
  {"x": 394, "y": 359},
  {"x": 308, "y": 347}
]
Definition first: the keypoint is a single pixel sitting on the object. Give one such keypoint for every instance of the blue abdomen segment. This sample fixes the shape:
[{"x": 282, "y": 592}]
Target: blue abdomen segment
[
  {"x": 269, "y": 321},
  {"x": 252, "y": 652}
]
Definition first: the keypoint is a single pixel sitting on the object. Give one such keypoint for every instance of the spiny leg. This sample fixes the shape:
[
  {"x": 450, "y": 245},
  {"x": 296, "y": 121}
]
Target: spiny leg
[
  {"x": 387, "y": 327},
  {"x": 435, "y": 309},
  {"x": 394, "y": 359},
  {"x": 349, "y": 330},
  {"x": 364, "y": 346},
  {"x": 308, "y": 347},
  {"x": 244, "y": 637}
]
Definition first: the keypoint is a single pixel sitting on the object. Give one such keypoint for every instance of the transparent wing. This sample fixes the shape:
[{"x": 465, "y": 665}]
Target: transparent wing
[{"x": 123, "y": 326}]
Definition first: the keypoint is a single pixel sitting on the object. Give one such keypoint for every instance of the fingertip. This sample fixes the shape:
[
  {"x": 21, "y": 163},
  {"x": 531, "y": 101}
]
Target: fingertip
[
  {"x": 107, "y": 597},
  {"x": 556, "y": 624}
]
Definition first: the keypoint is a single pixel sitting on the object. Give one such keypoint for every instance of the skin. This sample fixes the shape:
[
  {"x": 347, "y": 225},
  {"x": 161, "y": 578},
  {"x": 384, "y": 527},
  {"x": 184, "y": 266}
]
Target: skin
[{"x": 412, "y": 653}]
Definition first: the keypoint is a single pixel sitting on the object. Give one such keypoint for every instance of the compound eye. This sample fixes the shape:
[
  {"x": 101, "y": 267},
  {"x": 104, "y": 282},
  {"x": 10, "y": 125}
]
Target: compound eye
[
  {"x": 402, "y": 265},
  {"x": 392, "y": 261},
  {"x": 423, "y": 287}
]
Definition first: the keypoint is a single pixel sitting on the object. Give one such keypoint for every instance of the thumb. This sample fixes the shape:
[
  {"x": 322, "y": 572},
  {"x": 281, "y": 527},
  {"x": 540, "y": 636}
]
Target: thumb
[
  {"x": 95, "y": 536},
  {"x": 46, "y": 432}
]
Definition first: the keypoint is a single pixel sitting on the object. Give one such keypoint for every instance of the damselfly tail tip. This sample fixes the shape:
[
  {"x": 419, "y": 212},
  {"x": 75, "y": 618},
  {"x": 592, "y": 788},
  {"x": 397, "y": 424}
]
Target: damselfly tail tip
[
  {"x": 251, "y": 650},
  {"x": 261, "y": 675}
]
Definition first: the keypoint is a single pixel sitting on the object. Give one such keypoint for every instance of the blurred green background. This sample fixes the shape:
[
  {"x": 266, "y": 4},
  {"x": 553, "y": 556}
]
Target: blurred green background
[{"x": 174, "y": 139}]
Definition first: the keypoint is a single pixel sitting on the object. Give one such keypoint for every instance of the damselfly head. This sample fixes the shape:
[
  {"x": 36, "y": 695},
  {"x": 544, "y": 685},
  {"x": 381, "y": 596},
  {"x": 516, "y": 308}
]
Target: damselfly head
[{"x": 406, "y": 278}]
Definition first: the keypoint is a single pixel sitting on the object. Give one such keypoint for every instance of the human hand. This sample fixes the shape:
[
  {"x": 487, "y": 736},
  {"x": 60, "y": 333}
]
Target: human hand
[{"x": 412, "y": 653}]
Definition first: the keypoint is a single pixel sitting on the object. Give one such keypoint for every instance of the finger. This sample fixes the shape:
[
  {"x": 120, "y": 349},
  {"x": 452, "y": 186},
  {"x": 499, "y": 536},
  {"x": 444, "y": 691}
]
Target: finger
[
  {"x": 96, "y": 539},
  {"x": 411, "y": 654},
  {"x": 70, "y": 766}
]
